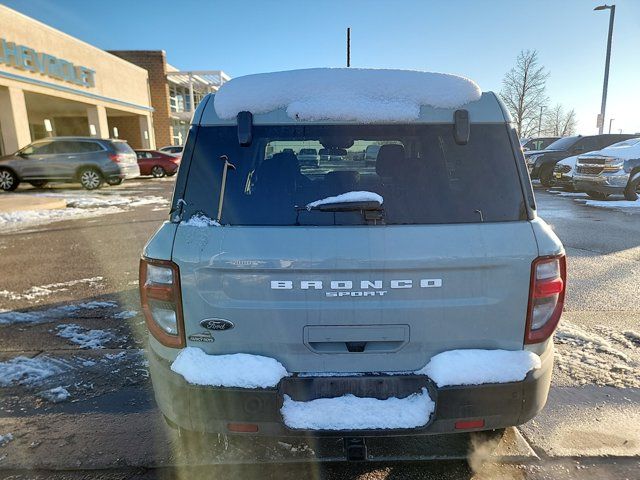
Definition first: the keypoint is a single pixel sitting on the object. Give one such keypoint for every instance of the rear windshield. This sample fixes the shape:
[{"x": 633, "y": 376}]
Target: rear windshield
[
  {"x": 422, "y": 175},
  {"x": 563, "y": 143},
  {"x": 122, "y": 147}
]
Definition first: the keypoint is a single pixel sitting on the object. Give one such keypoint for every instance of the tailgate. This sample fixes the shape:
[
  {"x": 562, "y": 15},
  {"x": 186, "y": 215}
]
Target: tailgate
[{"x": 355, "y": 299}]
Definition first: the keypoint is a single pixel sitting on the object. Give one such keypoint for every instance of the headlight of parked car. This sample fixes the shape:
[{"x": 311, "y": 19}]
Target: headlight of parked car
[{"x": 613, "y": 164}]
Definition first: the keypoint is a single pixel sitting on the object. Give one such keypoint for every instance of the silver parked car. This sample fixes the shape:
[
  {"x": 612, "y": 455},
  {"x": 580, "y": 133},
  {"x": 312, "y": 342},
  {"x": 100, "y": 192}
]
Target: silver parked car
[
  {"x": 89, "y": 161},
  {"x": 274, "y": 285},
  {"x": 612, "y": 170}
]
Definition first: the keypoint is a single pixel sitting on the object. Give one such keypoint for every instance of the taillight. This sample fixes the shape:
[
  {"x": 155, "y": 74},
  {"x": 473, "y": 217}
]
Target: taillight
[
  {"x": 117, "y": 158},
  {"x": 161, "y": 301},
  {"x": 546, "y": 297}
]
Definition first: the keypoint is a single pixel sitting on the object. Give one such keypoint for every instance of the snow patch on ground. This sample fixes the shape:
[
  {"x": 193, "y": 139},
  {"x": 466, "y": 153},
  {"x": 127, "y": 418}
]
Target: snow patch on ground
[
  {"x": 237, "y": 370},
  {"x": 125, "y": 314},
  {"x": 35, "y": 292},
  {"x": 622, "y": 205},
  {"x": 5, "y": 438},
  {"x": 29, "y": 371},
  {"x": 345, "y": 94},
  {"x": 200, "y": 220},
  {"x": 55, "y": 395},
  {"x": 604, "y": 356},
  {"x": 92, "y": 339},
  {"x": 11, "y": 317},
  {"x": 10, "y": 221},
  {"x": 348, "y": 197},
  {"x": 82, "y": 200},
  {"x": 351, "y": 412},
  {"x": 475, "y": 367}
]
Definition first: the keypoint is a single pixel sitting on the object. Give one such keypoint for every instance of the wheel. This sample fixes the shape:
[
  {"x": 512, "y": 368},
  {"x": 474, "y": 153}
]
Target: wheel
[
  {"x": 546, "y": 176},
  {"x": 172, "y": 174},
  {"x": 633, "y": 187},
  {"x": 598, "y": 195},
  {"x": 39, "y": 183},
  {"x": 158, "y": 172},
  {"x": 8, "y": 180},
  {"x": 114, "y": 181},
  {"x": 90, "y": 178}
]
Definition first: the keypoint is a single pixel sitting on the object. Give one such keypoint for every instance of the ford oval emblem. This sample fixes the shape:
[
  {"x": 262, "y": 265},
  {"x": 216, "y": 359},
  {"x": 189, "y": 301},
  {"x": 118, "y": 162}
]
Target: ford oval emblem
[{"x": 216, "y": 324}]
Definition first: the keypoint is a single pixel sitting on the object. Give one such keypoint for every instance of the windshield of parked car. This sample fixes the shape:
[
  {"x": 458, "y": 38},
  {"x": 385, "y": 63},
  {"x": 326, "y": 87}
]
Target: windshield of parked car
[
  {"x": 420, "y": 172},
  {"x": 563, "y": 143}
]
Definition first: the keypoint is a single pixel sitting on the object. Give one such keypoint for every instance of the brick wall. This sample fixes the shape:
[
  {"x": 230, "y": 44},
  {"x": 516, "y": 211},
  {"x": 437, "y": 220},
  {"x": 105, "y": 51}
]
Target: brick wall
[
  {"x": 128, "y": 129},
  {"x": 155, "y": 62}
]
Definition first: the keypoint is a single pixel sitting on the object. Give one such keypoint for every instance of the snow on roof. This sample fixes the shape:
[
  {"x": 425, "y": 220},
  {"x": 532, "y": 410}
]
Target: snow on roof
[
  {"x": 628, "y": 149},
  {"x": 345, "y": 94},
  {"x": 354, "y": 413}
]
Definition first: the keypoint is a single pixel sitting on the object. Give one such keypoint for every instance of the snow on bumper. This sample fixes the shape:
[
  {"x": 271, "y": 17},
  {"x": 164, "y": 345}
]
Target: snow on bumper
[
  {"x": 203, "y": 407},
  {"x": 349, "y": 412}
]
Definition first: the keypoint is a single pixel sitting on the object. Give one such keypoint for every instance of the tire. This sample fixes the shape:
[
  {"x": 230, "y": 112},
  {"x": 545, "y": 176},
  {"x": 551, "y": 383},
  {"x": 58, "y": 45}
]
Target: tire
[
  {"x": 158, "y": 172},
  {"x": 90, "y": 178},
  {"x": 598, "y": 195},
  {"x": 633, "y": 187},
  {"x": 8, "y": 180},
  {"x": 115, "y": 181},
  {"x": 172, "y": 174},
  {"x": 546, "y": 176},
  {"x": 39, "y": 183}
]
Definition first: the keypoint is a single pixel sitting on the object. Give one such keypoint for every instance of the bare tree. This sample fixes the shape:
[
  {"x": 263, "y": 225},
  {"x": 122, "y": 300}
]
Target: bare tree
[
  {"x": 523, "y": 92},
  {"x": 559, "y": 123}
]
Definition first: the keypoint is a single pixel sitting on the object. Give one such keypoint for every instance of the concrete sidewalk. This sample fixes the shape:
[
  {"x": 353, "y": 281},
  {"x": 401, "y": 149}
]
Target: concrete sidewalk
[{"x": 13, "y": 202}]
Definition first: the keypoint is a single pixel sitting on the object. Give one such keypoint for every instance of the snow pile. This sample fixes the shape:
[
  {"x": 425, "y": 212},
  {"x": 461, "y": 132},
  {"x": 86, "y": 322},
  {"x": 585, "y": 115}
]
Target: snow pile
[
  {"x": 6, "y": 438},
  {"x": 348, "y": 197},
  {"x": 106, "y": 199},
  {"x": 355, "y": 413},
  {"x": 236, "y": 370},
  {"x": 35, "y": 292},
  {"x": 84, "y": 338},
  {"x": 345, "y": 94},
  {"x": 55, "y": 395},
  {"x": 29, "y": 371},
  {"x": 125, "y": 314},
  {"x": 200, "y": 220},
  {"x": 475, "y": 367}
]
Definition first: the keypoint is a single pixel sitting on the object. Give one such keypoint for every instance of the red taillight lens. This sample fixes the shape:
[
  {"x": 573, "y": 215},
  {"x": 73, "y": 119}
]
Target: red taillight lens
[
  {"x": 546, "y": 297},
  {"x": 162, "y": 301},
  {"x": 117, "y": 158}
]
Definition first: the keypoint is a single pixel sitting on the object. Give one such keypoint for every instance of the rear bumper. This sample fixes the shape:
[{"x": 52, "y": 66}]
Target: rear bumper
[
  {"x": 209, "y": 409},
  {"x": 128, "y": 170}
]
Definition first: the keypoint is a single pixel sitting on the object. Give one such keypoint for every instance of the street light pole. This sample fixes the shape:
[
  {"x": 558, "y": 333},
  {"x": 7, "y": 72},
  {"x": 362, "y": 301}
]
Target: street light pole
[
  {"x": 603, "y": 106},
  {"x": 540, "y": 120},
  {"x": 610, "y": 122},
  {"x": 349, "y": 47}
]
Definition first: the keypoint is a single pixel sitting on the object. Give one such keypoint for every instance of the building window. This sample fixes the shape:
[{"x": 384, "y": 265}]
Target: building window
[{"x": 179, "y": 129}]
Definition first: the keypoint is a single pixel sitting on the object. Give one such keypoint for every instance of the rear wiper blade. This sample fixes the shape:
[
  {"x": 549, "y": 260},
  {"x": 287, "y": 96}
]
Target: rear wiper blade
[{"x": 362, "y": 206}]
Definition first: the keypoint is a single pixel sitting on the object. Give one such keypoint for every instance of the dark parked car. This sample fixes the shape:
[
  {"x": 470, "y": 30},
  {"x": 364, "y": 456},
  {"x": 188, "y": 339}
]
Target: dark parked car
[
  {"x": 539, "y": 143},
  {"x": 89, "y": 161},
  {"x": 158, "y": 164},
  {"x": 541, "y": 162}
]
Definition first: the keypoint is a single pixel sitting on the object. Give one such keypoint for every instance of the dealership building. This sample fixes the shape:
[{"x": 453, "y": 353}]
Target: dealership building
[{"x": 52, "y": 84}]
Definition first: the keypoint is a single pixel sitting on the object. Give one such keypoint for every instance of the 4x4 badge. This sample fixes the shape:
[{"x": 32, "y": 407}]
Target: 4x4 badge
[{"x": 216, "y": 324}]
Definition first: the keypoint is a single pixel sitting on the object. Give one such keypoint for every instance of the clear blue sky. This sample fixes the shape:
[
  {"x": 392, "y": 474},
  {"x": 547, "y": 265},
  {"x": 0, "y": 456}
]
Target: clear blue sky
[{"x": 477, "y": 39}]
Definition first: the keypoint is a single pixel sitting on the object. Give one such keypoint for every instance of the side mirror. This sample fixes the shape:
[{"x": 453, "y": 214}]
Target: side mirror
[
  {"x": 461, "y": 127},
  {"x": 245, "y": 128}
]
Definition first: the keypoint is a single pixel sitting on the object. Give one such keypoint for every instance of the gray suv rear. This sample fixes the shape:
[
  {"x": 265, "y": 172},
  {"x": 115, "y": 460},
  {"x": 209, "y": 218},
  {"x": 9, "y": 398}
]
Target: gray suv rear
[
  {"x": 89, "y": 161},
  {"x": 433, "y": 253}
]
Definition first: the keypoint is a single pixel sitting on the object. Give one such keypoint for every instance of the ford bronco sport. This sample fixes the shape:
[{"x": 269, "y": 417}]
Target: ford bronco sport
[{"x": 423, "y": 285}]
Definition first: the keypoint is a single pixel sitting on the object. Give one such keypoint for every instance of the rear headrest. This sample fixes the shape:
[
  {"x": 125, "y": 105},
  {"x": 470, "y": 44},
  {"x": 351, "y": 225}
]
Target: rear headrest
[
  {"x": 388, "y": 159},
  {"x": 279, "y": 173},
  {"x": 343, "y": 177}
]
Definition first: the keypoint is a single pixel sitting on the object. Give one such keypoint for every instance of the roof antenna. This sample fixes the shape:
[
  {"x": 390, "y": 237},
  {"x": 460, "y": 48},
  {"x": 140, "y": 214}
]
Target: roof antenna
[{"x": 348, "y": 47}]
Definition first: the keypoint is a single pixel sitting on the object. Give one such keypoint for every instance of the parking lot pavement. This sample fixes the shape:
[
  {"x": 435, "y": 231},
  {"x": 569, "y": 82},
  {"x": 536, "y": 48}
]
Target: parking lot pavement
[{"x": 76, "y": 397}]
